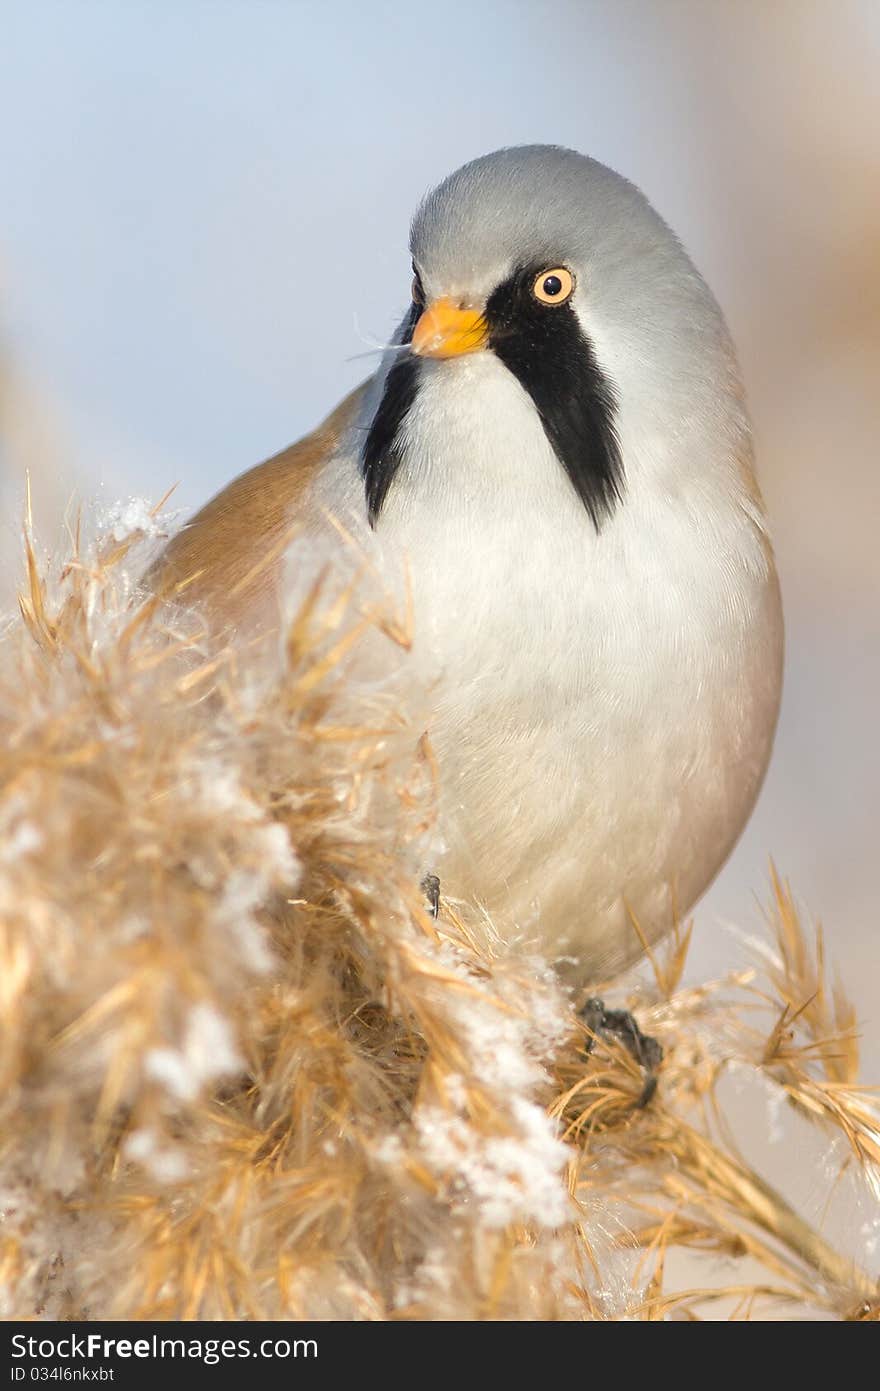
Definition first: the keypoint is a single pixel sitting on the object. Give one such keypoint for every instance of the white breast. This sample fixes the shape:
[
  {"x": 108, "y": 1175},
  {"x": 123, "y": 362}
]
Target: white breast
[{"x": 602, "y": 706}]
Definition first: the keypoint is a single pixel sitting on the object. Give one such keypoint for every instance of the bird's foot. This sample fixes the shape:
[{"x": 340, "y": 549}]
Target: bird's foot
[
  {"x": 430, "y": 887},
  {"x": 619, "y": 1024}
]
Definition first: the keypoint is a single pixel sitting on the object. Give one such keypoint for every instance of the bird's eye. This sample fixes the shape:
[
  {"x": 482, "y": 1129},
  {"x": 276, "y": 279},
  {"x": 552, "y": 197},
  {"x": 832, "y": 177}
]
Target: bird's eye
[
  {"x": 553, "y": 286},
  {"x": 418, "y": 294}
]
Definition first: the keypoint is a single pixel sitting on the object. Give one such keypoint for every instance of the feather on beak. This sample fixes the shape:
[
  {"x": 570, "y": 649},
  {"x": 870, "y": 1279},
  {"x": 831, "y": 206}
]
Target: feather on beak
[{"x": 446, "y": 330}]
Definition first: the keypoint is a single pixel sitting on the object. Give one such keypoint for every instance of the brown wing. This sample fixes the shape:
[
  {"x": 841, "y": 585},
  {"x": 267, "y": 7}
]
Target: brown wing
[{"x": 227, "y": 558}]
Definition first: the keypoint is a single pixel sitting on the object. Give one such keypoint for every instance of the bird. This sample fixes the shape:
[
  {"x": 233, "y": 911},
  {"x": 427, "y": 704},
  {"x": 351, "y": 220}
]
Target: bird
[{"x": 556, "y": 446}]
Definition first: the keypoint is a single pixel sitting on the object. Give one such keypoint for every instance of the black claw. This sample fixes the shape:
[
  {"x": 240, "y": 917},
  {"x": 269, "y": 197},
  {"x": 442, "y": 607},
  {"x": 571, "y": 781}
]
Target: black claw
[
  {"x": 430, "y": 887},
  {"x": 619, "y": 1024}
]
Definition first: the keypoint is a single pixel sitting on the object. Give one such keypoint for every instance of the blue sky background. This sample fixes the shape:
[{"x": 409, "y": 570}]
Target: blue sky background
[
  {"x": 205, "y": 214},
  {"x": 207, "y": 201}
]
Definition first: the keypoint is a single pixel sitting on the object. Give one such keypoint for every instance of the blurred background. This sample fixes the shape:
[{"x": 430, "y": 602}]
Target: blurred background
[{"x": 205, "y": 219}]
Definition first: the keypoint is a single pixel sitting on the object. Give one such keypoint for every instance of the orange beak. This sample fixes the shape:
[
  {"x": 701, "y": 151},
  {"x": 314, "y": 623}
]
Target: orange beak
[{"x": 445, "y": 330}]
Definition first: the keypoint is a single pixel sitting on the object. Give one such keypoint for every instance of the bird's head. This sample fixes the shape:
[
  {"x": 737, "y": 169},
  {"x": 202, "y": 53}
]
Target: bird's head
[{"x": 562, "y": 269}]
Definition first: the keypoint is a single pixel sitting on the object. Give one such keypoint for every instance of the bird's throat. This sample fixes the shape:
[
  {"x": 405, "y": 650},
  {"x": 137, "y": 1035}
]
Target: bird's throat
[{"x": 552, "y": 360}]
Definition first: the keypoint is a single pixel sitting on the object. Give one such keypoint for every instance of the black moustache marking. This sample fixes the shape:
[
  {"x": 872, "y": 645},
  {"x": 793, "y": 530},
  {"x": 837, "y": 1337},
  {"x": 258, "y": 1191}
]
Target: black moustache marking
[
  {"x": 548, "y": 352},
  {"x": 382, "y": 456}
]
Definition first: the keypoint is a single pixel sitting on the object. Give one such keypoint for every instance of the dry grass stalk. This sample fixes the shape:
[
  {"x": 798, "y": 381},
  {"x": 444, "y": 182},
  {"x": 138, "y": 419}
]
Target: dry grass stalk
[{"x": 246, "y": 1075}]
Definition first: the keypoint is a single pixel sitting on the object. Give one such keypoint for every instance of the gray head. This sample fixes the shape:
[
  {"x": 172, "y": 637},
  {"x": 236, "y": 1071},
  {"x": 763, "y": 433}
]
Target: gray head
[
  {"x": 534, "y": 203},
  {"x": 563, "y": 269}
]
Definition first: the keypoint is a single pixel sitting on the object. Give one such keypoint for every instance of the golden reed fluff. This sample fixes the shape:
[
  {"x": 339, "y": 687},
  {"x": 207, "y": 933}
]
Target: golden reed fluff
[{"x": 243, "y": 1073}]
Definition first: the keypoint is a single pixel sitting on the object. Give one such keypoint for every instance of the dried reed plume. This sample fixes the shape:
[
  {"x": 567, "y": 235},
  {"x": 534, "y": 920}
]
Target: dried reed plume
[{"x": 245, "y": 1075}]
